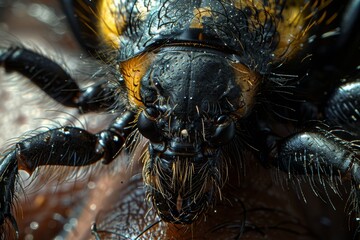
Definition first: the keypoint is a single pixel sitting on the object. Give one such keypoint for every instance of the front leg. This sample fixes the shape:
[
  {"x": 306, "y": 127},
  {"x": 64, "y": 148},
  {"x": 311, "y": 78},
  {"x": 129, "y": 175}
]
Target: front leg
[
  {"x": 56, "y": 82},
  {"x": 67, "y": 146},
  {"x": 343, "y": 106},
  {"x": 320, "y": 152},
  {"x": 323, "y": 155}
]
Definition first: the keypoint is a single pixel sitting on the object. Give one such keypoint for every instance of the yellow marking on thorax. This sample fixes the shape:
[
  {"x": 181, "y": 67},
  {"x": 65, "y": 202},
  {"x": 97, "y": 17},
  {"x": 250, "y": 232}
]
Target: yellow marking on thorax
[
  {"x": 111, "y": 22},
  {"x": 133, "y": 70},
  {"x": 293, "y": 21},
  {"x": 248, "y": 81},
  {"x": 199, "y": 13},
  {"x": 298, "y": 18}
]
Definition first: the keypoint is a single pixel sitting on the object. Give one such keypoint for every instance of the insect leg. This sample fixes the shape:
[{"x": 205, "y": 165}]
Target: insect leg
[
  {"x": 321, "y": 152},
  {"x": 55, "y": 81},
  {"x": 343, "y": 107},
  {"x": 317, "y": 151},
  {"x": 320, "y": 147},
  {"x": 83, "y": 27},
  {"x": 67, "y": 146}
]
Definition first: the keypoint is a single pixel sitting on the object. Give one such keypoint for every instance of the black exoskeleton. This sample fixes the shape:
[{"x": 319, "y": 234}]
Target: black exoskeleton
[{"x": 196, "y": 75}]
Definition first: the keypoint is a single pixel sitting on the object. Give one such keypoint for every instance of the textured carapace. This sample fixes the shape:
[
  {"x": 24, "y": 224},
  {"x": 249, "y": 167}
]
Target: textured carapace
[{"x": 193, "y": 69}]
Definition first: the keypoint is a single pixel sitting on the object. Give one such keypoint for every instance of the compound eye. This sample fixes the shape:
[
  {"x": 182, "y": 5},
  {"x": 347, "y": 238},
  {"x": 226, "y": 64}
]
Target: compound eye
[
  {"x": 224, "y": 131},
  {"x": 147, "y": 124}
]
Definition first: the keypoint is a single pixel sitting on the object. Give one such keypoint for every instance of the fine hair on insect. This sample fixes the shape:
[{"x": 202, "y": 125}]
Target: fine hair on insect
[{"x": 180, "y": 119}]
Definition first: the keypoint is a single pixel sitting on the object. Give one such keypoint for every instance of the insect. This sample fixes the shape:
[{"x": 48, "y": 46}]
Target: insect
[{"x": 209, "y": 85}]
